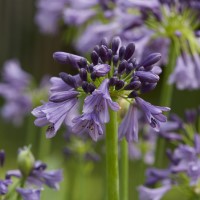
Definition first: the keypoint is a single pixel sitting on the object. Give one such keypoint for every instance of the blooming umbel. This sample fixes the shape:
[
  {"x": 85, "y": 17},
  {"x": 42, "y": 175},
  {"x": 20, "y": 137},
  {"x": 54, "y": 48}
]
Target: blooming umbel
[{"x": 112, "y": 74}]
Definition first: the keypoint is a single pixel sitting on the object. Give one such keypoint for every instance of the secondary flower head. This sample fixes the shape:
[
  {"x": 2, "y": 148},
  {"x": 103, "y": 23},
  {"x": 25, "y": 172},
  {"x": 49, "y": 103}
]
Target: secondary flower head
[{"x": 113, "y": 74}]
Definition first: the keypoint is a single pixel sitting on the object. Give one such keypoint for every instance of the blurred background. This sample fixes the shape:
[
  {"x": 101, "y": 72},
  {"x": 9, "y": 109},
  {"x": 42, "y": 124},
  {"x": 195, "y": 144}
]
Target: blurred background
[{"x": 20, "y": 39}]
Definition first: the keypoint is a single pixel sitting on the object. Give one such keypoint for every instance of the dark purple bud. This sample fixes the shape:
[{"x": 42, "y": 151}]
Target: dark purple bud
[
  {"x": 90, "y": 68},
  {"x": 133, "y": 94},
  {"x": 94, "y": 57},
  {"x": 69, "y": 79},
  {"x": 88, "y": 87},
  {"x": 103, "y": 53},
  {"x": 83, "y": 74},
  {"x": 104, "y": 42},
  {"x": 113, "y": 81},
  {"x": 147, "y": 76},
  {"x": 151, "y": 60},
  {"x": 2, "y": 157},
  {"x": 135, "y": 85},
  {"x": 82, "y": 63},
  {"x": 67, "y": 58},
  {"x": 85, "y": 86},
  {"x": 109, "y": 54},
  {"x": 122, "y": 66},
  {"x": 93, "y": 76},
  {"x": 115, "y": 44},
  {"x": 119, "y": 84},
  {"x": 115, "y": 59},
  {"x": 129, "y": 68},
  {"x": 129, "y": 51},
  {"x": 148, "y": 87},
  {"x": 96, "y": 48},
  {"x": 91, "y": 88},
  {"x": 134, "y": 62},
  {"x": 121, "y": 52}
]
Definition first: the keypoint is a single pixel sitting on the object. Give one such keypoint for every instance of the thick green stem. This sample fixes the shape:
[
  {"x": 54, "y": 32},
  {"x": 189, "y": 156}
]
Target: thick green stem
[
  {"x": 124, "y": 170},
  {"x": 44, "y": 145},
  {"x": 165, "y": 100},
  {"x": 112, "y": 172}
]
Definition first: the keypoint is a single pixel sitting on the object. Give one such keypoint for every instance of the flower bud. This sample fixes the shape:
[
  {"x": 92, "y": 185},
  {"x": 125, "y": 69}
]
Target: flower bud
[
  {"x": 129, "y": 51},
  {"x": 121, "y": 52},
  {"x": 25, "y": 161},
  {"x": 115, "y": 44},
  {"x": 69, "y": 79},
  {"x": 122, "y": 66},
  {"x": 104, "y": 42},
  {"x": 115, "y": 59},
  {"x": 2, "y": 157},
  {"x": 103, "y": 53},
  {"x": 94, "y": 57},
  {"x": 150, "y": 60},
  {"x": 82, "y": 63},
  {"x": 119, "y": 84},
  {"x": 147, "y": 76},
  {"x": 133, "y": 94},
  {"x": 83, "y": 74},
  {"x": 113, "y": 81}
]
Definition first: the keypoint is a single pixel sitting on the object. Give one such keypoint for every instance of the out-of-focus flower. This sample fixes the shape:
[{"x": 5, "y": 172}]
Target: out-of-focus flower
[
  {"x": 29, "y": 194},
  {"x": 4, "y": 186}
]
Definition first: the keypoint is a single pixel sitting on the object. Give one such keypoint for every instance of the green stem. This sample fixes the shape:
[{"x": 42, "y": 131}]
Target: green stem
[
  {"x": 44, "y": 145},
  {"x": 124, "y": 170},
  {"x": 112, "y": 173},
  {"x": 165, "y": 100},
  {"x": 30, "y": 131}
]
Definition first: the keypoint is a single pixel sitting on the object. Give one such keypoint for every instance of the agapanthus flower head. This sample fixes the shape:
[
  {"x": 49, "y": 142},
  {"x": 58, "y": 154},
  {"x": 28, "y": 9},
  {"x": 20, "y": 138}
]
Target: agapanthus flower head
[{"x": 112, "y": 74}]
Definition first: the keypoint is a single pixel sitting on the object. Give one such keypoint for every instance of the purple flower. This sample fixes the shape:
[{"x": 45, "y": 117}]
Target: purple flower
[
  {"x": 40, "y": 176},
  {"x": 62, "y": 101},
  {"x": 77, "y": 17},
  {"x": 4, "y": 186},
  {"x": 152, "y": 194},
  {"x": 67, "y": 58},
  {"x": 187, "y": 72},
  {"x": 101, "y": 69},
  {"x": 90, "y": 123},
  {"x": 153, "y": 113},
  {"x": 53, "y": 114},
  {"x": 14, "y": 90},
  {"x": 129, "y": 125},
  {"x": 99, "y": 102},
  {"x": 29, "y": 194}
]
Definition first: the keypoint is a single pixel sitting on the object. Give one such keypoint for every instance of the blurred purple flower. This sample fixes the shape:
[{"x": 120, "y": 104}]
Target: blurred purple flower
[
  {"x": 29, "y": 194},
  {"x": 4, "y": 186},
  {"x": 14, "y": 90},
  {"x": 187, "y": 72},
  {"x": 152, "y": 194}
]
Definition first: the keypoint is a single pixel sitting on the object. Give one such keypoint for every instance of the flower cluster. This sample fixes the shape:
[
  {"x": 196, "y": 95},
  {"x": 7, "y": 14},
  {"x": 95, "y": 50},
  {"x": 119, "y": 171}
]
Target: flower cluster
[
  {"x": 114, "y": 73},
  {"x": 14, "y": 90},
  {"x": 184, "y": 163},
  {"x": 154, "y": 21},
  {"x": 31, "y": 174}
]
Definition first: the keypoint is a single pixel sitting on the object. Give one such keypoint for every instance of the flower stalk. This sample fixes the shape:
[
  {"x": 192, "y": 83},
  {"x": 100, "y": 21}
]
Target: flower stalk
[
  {"x": 124, "y": 170},
  {"x": 166, "y": 99},
  {"x": 112, "y": 173}
]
